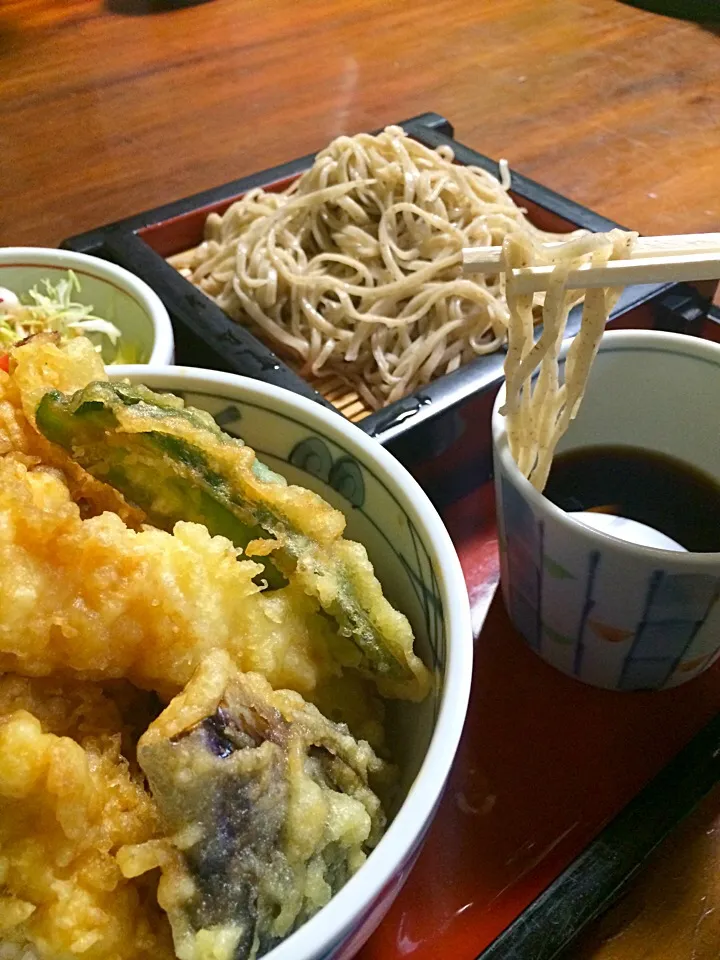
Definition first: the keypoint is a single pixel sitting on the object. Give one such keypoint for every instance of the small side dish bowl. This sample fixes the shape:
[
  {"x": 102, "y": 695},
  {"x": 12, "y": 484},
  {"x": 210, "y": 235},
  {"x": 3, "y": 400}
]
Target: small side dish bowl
[
  {"x": 114, "y": 293},
  {"x": 416, "y": 562}
]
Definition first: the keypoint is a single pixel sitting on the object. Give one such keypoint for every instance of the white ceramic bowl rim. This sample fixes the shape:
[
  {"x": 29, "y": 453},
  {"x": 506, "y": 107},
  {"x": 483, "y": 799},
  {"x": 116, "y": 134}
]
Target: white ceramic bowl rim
[
  {"x": 119, "y": 277},
  {"x": 329, "y": 926},
  {"x": 651, "y": 339}
]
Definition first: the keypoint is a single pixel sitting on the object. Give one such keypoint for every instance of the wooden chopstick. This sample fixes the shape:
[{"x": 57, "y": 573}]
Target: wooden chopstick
[
  {"x": 652, "y": 260},
  {"x": 624, "y": 273},
  {"x": 483, "y": 259}
]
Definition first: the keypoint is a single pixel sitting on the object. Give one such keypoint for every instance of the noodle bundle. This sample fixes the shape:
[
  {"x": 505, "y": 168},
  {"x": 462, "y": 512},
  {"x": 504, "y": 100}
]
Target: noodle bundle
[
  {"x": 356, "y": 269},
  {"x": 539, "y": 408}
]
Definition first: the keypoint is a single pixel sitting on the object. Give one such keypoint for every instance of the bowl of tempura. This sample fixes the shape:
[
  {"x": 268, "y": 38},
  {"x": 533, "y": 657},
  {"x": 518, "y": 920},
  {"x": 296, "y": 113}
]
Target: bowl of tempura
[{"x": 235, "y": 662}]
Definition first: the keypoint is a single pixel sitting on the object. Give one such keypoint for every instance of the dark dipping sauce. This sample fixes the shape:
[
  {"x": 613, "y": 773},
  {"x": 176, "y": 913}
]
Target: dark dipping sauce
[{"x": 663, "y": 493}]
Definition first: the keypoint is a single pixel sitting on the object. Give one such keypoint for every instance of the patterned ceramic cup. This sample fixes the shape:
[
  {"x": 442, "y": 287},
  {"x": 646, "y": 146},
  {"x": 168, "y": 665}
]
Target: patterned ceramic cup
[{"x": 613, "y": 613}]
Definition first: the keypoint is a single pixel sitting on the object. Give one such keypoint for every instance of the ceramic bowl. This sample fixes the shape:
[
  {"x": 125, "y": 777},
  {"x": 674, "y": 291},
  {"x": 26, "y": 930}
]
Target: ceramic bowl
[
  {"x": 114, "y": 293},
  {"x": 414, "y": 559}
]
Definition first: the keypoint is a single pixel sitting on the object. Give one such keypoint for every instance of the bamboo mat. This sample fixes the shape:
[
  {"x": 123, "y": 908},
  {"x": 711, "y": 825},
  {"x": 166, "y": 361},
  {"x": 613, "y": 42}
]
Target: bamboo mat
[{"x": 333, "y": 389}]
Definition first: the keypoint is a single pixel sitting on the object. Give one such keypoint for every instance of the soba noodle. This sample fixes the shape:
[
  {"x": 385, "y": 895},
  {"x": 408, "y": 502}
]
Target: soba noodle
[
  {"x": 356, "y": 270},
  {"x": 539, "y": 408}
]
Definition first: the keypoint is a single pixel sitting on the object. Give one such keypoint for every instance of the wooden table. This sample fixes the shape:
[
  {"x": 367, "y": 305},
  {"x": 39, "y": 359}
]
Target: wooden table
[{"x": 106, "y": 109}]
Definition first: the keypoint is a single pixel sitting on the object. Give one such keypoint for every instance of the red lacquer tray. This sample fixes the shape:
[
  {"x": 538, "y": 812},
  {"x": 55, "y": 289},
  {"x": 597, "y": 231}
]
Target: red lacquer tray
[{"x": 544, "y": 764}]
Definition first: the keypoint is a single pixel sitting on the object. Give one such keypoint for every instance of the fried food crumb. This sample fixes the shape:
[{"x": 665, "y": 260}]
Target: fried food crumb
[
  {"x": 98, "y": 599},
  {"x": 68, "y": 803}
]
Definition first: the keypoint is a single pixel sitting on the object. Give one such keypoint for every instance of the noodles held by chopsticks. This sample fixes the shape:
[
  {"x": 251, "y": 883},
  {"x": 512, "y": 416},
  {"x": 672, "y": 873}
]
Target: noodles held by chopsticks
[
  {"x": 356, "y": 269},
  {"x": 540, "y": 409}
]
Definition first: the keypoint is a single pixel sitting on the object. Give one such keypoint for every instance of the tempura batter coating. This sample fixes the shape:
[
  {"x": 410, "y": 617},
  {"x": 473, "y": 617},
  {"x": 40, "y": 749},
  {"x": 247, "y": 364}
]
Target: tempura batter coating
[
  {"x": 67, "y": 804},
  {"x": 175, "y": 463},
  {"x": 269, "y": 806},
  {"x": 98, "y": 599},
  {"x": 19, "y": 436},
  {"x": 102, "y": 617}
]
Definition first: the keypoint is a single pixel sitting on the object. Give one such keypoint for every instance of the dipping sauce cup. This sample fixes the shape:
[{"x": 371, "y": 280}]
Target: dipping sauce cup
[{"x": 613, "y": 613}]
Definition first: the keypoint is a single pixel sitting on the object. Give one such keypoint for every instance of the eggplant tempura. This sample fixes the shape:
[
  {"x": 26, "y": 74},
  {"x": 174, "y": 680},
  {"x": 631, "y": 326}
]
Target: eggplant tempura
[
  {"x": 268, "y": 807},
  {"x": 143, "y": 550}
]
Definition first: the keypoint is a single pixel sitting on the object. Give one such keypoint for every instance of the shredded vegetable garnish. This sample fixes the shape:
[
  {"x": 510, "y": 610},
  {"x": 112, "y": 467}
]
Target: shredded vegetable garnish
[{"x": 50, "y": 307}]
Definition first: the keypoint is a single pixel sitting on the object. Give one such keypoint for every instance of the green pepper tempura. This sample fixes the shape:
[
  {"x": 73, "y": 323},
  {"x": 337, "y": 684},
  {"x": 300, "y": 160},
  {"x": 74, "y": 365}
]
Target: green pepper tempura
[{"x": 175, "y": 463}]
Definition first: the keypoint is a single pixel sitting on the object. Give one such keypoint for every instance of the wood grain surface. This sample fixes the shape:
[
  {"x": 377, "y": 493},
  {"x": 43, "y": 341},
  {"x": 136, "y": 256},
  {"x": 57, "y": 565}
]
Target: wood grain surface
[
  {"x": 104, "y": 114},
  {"x": 671, "y": 911},
  {"x": 109, "y": 108}
]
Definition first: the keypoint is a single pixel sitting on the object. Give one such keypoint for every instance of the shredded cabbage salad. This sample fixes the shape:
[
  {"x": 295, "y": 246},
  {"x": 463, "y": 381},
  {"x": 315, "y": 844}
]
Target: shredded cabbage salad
[{"x": 50, "y": 307}]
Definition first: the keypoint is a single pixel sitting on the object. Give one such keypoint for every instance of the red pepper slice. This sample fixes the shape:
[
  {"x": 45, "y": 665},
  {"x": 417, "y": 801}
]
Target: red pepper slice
[{"x": 5, "y": 362}]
